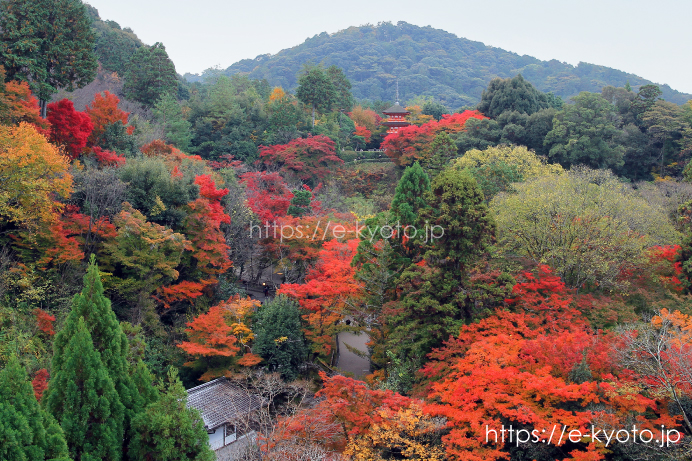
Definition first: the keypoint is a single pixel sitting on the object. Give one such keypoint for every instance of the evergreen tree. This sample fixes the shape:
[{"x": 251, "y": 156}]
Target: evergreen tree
[
  {"x": 435, "y": 109},
  {"x": 109, "y": 341},
  {"x": 343, "y": 100},
  {"x": 27, "y": 432},
  {"x": 83, "y": 399},
  {"x": 168, "y": 430},
  {"x": 441, "y": 151},
  {"x": 515, "y": 94},
  {"x": 150, "y": 75},
  {"x": 177, "y": 130},
  {"x": 457, "y": 207},
  {"x": 409, "y": 196},
  {"x": 300, "y": 203},
  {"x": 47, "y": 43},
  {"x": 279, "y": 337},
  {"x": 433, "y": 298},
  {"x": 315, "y": 89},
  {"x": 586, "y": 132}
]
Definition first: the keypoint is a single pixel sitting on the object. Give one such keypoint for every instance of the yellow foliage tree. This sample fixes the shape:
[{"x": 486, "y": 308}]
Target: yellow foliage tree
[
  {"x": 405, "y": 434},
  {"x": 364, "y": 117},
  {"x": 528, "y": 164},
  {"x": 278, "y": 94},
  {"x": 585, "y": 224},
  {"x": 417, "y": 117},
  {"x": 33, "y": 174}
]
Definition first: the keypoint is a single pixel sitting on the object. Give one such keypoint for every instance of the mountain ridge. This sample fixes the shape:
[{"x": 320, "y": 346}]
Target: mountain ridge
[{"x": 428, "y": 62}]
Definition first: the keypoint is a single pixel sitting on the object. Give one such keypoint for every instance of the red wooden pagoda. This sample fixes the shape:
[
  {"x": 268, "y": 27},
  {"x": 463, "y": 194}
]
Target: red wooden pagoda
[{"x": 396, "y": 118}]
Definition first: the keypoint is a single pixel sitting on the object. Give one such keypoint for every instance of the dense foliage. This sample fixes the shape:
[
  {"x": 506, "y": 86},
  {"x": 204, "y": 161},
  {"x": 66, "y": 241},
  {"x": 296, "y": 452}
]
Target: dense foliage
[
  {"x": 428, "y": 62},
  {"x": 526, "y": 264}
]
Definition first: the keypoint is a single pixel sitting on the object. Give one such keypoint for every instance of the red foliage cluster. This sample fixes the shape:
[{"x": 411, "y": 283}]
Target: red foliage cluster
[
  {"x": 183, "y": 291},
  {"x": 522, "y": 368},
  {"x": 210, "y": 335},
  {"x": 665, "y": 268},
  {"x": 22, "y": 106},
  {"x": 40, "y": 383},
  {"x": 323, "y": 295},
  {"x": 104, "y": 111},
  {"x": 108, "y": 158},
  {"x": 308, "y": 159},
  {"x": 364, "y": 132},
  {"x": 268, "y": 195},
  {"x": 213, "y": 196},
  {"x": 69, "y": 128},
  {"x": 44, "y": 321},
  {"x": 225, "y": 162},
  {"x": 409, "y": 144}
]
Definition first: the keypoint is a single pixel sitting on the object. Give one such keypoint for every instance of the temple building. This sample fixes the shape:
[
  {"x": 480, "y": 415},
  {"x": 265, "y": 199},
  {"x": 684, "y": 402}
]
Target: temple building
[{"x": 396, "y": 118}]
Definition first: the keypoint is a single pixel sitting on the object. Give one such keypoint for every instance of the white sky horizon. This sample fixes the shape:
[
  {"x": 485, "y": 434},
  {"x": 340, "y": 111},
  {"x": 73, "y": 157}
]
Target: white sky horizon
[{"x": 651, "y": 41}]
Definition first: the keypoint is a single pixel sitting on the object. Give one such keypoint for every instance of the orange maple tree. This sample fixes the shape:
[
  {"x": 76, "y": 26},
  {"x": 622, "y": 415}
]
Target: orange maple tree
[
  {"x": 537, "y": 367},
  {"x": 217, "y": 337},
  {"x": 18, "y": 104},
  {"x": 104, "y": 111},
  {"x": 324, "y": 295}
]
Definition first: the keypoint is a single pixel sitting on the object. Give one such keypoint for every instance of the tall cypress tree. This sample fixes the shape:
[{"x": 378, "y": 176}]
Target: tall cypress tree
[
  {"x": 82, "y": 397},
  {"x": 442, "y": 150},
  {"x": 48, "y": 43},
  {"x": 409, "y": 196},
  {"x": 150, "y": 75},
  {"x": 108, "y": 339},
  {"x": 457, "y": 206},
  {"x": 27, "y": 432},
  {"x": 169, "y": 431}
]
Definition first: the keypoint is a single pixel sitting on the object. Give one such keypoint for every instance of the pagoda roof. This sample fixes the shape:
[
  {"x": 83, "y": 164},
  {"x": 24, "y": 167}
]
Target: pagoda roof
[{"x": 395, "y": 109}]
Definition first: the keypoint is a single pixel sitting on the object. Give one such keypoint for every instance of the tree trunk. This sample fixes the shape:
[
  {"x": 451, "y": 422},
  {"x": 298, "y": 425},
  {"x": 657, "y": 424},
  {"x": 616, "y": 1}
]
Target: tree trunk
[
  {"x": 43, "y": 105},
  {"x": 313, "y": 116}
]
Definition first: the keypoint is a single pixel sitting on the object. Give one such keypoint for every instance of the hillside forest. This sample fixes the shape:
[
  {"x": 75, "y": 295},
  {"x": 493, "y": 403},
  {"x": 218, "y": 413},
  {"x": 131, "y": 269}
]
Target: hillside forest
[{"x": 521, "y": 266}]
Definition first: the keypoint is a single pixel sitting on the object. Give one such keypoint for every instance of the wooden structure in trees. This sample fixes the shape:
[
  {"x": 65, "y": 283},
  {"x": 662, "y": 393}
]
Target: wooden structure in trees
[{"x": 396, "y": 118}]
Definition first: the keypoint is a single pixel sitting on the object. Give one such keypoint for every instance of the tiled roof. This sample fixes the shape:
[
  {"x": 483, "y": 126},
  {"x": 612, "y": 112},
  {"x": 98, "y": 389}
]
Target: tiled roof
[
  {"x": 221, "y": 402},
  {"x": 396, "y": 109}
]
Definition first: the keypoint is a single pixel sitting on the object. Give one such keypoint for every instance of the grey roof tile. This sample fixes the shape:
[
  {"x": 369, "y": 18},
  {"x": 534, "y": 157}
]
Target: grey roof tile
[{"x": 221, "y": 402}]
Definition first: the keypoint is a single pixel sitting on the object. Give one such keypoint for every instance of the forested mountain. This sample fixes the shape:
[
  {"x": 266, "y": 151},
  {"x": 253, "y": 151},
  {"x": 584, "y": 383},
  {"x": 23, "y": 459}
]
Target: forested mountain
[
  {"x": 429, "y": 62},
  {"x": 114, "y": 45}
]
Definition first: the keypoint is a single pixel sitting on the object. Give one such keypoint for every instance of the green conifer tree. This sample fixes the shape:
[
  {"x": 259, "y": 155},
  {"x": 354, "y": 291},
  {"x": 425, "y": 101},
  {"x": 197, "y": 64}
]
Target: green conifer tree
[
  {"x": 169, "y": 431},
  {"x": 279, "y": 338},
  {"x": 465, "y": 227},
  {"x": 150, "y": 75},
  {"x": 442, "y": 150},
  {"x": 48, "y": 43},
  {"x": 409, "y": 196},
  {"x": 83, "y": 399},
  {"x": 108, "y": 339},
  {"x": 300, "y": 203},
  {"x": 27, "y": 432},
  {"x": 177, "y": 129}
]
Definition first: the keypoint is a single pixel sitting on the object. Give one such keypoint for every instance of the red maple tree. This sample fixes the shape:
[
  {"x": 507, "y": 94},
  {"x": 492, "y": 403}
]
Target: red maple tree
[
  {"x": 325, "y": 292},
  {"x": 308, "y": 159},
  {"x": 268, "y": 195},
  {"x": 69, "y": 128},
  {"x": 104, "y": 111}
]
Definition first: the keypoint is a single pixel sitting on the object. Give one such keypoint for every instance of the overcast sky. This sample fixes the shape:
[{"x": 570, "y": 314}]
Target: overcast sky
[{"x": 650, "y": 39}]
